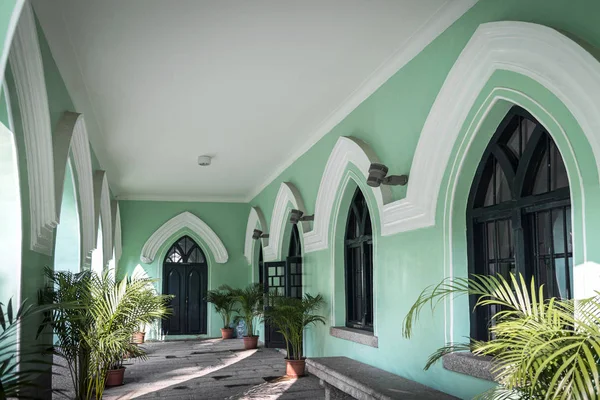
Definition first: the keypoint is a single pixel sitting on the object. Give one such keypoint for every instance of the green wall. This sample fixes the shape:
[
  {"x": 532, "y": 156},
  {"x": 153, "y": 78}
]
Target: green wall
[
  {"x": 390, "y": 122},
  {"x": 140, "y": 219}
]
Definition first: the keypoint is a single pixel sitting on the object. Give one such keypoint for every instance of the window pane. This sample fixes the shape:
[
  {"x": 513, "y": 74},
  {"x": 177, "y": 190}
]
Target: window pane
[
  {"x": 502, "y": 188},
  {"x": 543, "y": 233},
  {"x": 514, "y": 143},
  {"x": 504, "y": 239},
  {"x": 558, "y": 233},
  {"x": 559, "y": 172},
  {"x": 491, "y": 240},
  {"x": 540, "y": 184},
  {"x": 561, "y": 278}
]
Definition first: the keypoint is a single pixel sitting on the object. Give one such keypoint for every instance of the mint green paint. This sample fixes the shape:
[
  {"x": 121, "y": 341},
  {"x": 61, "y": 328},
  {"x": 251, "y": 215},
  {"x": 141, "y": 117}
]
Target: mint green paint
[
  {"x": 390, "y": 122},
  {"x": 67, "y": 247},
  {"x": 140, "y": 219},
  {"x": 7, "y": 8}
]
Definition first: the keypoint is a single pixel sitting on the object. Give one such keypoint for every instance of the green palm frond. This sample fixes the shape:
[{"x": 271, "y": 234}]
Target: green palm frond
[
  {"x": 16, "y": 376},
  {"x": 291, "y": 315},
  {"x": 541, "y": 348},
  {"x": 250, "y": 300},
  {"x": 224, "y": 303}
]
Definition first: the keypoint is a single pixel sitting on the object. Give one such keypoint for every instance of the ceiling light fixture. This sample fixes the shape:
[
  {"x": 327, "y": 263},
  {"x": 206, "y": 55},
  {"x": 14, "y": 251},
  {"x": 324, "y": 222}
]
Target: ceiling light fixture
[
  {"x": 377, "y": 176},
  {"x": 258, "y": 234},
  {"x": 204, "y": 160},
  {"x": 297, "y": 215}
]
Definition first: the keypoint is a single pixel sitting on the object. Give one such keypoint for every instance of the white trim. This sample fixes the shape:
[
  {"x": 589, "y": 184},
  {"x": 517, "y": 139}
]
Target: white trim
[
  {"x": 61, "y": 145},
  {"x": 10, "y": 32},
  {"x": 102, "y": 208},
  {"x": 445, "y": 16},
  {"x": 26, "y": 65},
  {"x": 279, "y": 218},
  {"x": 81, "y": 158},
  {"x": 184, "y": 220},
  {"x": 116, "y": 225},
  {"x": 535, "y": 51},
  {"x": 195, "y": 199},
  {"x": 256, "y": 220},
  {"x": 346, "y": 151}
]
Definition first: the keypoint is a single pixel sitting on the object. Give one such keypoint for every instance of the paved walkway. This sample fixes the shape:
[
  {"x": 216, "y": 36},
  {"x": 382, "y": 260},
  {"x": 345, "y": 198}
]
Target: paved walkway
[{"x": 211, "y": 369}]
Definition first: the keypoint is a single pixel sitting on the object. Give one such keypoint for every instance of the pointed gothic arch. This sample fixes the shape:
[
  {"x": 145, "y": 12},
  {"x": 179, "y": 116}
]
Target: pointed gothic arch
[{"x": 185, "y": 220}]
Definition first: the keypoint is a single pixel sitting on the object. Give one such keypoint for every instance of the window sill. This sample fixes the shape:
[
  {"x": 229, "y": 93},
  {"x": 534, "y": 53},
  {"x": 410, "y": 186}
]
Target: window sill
[
  {"x": 469, "y": 364},
  {"x": 355, "y": 335}
]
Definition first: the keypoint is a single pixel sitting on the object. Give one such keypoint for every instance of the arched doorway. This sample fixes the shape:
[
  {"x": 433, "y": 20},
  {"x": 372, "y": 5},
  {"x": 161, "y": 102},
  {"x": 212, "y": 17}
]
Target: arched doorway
[
  {"x": 185, "y": 276},
  {"x": 283, "y": 278},
  {"x": 519, "y": 212}
]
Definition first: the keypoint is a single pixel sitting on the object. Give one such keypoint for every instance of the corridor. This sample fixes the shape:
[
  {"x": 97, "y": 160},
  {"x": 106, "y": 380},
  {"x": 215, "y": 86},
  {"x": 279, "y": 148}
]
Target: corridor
[{"x": 211, "y": 369}]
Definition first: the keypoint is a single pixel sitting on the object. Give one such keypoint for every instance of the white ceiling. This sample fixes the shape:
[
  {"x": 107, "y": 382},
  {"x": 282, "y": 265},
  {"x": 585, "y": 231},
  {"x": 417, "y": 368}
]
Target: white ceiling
[{"x": 254, "y": 83}]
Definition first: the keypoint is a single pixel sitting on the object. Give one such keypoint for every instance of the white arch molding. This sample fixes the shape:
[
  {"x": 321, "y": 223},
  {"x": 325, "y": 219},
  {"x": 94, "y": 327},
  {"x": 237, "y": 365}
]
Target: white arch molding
[
  {"x": 347, "y": 151},
  {"x": 71, "y": 140},
  {"x": 281, "y": 212},
  {"x": 535, "y": 51},
  {"x": 184, "y": 220},
  {"x": 116, "y": 225},
  {"x": 28, "y": 71},
  {"x": 103, "y": 209},
  {"x": 10, "y": 32},
  {"x": 256, "y": 220},
  {"x": 538, "y": 52}
]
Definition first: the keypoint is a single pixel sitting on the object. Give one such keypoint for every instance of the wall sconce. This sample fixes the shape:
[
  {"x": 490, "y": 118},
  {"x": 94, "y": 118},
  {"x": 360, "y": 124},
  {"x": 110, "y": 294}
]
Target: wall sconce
[
  {"x": 297, "y": 216},
  {"x": 258, "y": 234},
  {"x": 377, "y": 176}
]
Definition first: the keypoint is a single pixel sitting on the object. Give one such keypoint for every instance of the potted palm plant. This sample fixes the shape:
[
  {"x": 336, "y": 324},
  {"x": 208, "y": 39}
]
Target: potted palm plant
[
  {"x": 250, "y": 300},
  {"x": 540, "y": 348},
  {"x": 117, "y": 309},
  {"x": 69, "y": 295},
  {"x": 224, "y": 302},
  {"x": 290, "y": 316}
]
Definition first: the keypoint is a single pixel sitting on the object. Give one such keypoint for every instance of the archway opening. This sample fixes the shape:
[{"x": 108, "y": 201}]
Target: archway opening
[
  {"x": 98, "y": 253},
  {"x": 67, "y": 249},
  {"x": 185, "y": 276},
  {"x": 10, "y": 215}
]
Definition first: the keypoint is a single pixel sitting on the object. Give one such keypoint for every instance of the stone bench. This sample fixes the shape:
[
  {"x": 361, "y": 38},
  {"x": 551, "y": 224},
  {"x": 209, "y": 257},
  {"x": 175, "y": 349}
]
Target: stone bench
[{"x": 344, "y": 378}]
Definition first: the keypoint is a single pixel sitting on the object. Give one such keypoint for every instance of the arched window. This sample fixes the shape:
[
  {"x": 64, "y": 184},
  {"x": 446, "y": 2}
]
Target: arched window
[
  {"x": 261, "y": 265},
  {"x": 185, "y": 276},
  {"x": 519, "y": 213},
  {"x": 295, "y": 249},
  {"x": 359, "y": 265}
]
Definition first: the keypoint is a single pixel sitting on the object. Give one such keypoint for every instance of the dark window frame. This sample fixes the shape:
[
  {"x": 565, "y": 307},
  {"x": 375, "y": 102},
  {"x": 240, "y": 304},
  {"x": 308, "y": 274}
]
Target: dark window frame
[
  {"x": 520, "y": 215},
  {"x": 358, "y": 260}
]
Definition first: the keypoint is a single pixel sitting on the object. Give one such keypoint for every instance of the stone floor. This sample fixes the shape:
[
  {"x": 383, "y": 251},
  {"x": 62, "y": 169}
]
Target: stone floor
[{"x": 210, "y": 369}]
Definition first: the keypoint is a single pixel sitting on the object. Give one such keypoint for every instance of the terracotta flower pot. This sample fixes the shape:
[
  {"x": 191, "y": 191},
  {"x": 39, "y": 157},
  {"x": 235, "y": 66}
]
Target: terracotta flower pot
[
  {"x": 226, "y": 333},
  {"x": 138, "y": 337},
  {"x": 250, "y": 342},
  {"x": 295, "y": 368},
  {"x": 115, "y": 377}
]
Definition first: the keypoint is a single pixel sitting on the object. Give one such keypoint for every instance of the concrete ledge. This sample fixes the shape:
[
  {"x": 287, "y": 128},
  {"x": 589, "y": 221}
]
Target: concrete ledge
[
  {"x": 364, "y": 382},
  {"x": 469, "y": 364},
  {"x": 355, "y": 335}
]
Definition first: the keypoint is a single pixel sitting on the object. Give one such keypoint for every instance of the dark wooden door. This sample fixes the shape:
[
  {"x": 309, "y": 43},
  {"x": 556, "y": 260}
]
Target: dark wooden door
[
  {"x": 188, "y": 283},
  {"x": 185, "y": 276}
]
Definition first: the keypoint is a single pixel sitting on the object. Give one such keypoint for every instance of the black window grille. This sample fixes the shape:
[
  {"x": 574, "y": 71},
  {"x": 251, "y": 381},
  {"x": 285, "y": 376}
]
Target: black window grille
[
  {"x": 359, "y": 265},
  {"x": 185, "y": 251},
  {"x": 519, "y": 212}
]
